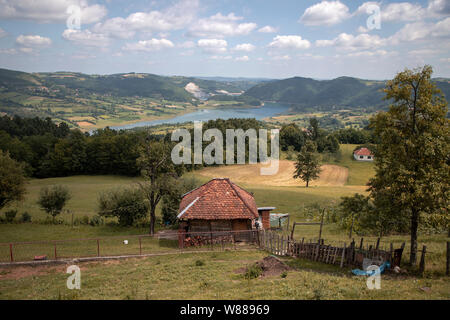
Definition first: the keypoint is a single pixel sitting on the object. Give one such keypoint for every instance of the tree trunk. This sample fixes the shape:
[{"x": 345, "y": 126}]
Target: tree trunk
[
  {"x": 152, "y": 221},
  {"x": 351, "y": 227},
  {"x": 414, "y": 226},
  {"x": 307, "y": 183}
]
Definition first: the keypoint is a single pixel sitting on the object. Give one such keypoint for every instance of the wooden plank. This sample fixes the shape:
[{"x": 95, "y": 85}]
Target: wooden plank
[
  {"x": 447, "y": 271},
  {"x": 422, "y": 260},
  {"x": 343, "y": 257}
]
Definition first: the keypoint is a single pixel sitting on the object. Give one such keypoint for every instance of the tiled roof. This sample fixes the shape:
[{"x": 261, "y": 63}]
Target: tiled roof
[
  {"x": 218, "y": 199},
  {"x": 363, "y": 152}
]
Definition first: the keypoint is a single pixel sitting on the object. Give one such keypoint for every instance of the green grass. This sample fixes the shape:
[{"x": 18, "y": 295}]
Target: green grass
[{"x": 179, "y": 277}]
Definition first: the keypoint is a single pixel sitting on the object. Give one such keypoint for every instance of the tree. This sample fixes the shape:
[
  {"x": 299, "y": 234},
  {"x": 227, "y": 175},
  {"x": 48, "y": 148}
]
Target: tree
[
  {"x": 353, "y": 208},
  {"x": 413, "y": 156},
  {"x": 128, "y": 205},
  {"x": 12, "y": 180},
  {"x": 291, "y": 135},
  {"x": 171, "y": 201},
  {"x": 159, "y": 173},
  {"x": 307, "y": 166},
  {"x": 53, "y": 200}
]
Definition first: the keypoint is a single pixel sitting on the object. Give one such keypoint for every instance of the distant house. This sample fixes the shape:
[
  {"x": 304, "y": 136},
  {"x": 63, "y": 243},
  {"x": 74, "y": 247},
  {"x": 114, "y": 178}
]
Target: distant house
[
  {"x": 363, "y": 154},
  {"x": 221, "y": 205}
]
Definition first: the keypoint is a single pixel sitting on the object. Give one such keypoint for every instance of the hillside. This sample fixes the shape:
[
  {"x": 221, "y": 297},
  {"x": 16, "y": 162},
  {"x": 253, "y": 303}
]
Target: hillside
[{"x": 344, "y": 92}]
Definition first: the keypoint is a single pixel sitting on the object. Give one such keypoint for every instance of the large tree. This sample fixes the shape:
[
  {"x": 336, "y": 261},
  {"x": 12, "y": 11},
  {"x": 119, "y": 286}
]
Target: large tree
[
  {"x": 307, "y": 166},
  {"x": 413, "y": 155},
  {"x": 159, "y": 173},
  {"x": 12, "y": 180},
  {"x": 53, "y": 199}
]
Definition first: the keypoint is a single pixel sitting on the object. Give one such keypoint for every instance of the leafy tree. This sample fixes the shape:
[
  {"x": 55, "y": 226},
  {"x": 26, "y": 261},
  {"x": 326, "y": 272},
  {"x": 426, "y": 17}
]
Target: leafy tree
[
  {"x": 353, "y": 208},
  {"x": 413, "y": 156},
  {"x": 128, "y": 205},
  {"x": 291, "y": 135},
  {"x": 53, "y": 200},
  {"x": 307, "y": 166},
  {"x": 171, "y": 201},
  {"x": 12, "y": 180},
  {"x": 159, "y": 172}
]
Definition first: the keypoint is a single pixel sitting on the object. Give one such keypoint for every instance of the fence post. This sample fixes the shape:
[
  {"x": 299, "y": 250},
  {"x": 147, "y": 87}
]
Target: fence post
[
  {"x": 140, "y": 246},
  {"x": 361, "y": 244},
  {"x": 378, "y": 244},
  {"x": 56, "y": 256},
  {"x": 11, "y": 252},
  {"x": 447, "y": 271},
  {"x": 343, "y": 256},
  {"x": 422, "y": 260},
  {"x": 98, "y": 248}
]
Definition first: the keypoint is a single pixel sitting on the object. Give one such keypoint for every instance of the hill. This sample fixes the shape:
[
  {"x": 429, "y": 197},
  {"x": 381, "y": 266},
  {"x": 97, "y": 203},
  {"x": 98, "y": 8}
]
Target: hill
[{"x": 343, "y": 92}]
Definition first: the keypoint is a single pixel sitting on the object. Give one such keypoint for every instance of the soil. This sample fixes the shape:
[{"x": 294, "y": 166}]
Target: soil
[{"x": 270, "y": 265}]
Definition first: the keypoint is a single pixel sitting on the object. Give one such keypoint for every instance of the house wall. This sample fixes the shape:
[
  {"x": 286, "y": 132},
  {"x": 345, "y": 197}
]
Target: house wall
[
  {"x": 364, "y": 158},
  {"x": 219, "y": 225}
]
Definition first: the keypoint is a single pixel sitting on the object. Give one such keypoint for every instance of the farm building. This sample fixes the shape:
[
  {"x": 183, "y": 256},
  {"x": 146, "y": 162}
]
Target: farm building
[
  {"x": 221, "y": 205},
  {"x": 363, "y": 154}
]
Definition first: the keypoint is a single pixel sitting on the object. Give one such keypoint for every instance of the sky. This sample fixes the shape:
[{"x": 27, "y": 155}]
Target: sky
[{"x": 229, "y": 38}]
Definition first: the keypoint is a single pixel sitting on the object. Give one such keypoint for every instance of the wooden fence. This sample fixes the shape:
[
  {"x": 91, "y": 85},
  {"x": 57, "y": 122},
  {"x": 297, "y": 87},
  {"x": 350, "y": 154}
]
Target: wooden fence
[{"x": 348, "y": 255}]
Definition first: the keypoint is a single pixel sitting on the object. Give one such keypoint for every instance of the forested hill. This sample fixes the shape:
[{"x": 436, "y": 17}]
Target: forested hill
[{"x": 343, "y": 92}]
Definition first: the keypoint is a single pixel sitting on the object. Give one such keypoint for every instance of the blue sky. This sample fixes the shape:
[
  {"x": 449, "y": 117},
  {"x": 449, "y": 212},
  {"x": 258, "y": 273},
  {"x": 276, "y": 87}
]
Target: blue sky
[{"x": 233, "y": 38}]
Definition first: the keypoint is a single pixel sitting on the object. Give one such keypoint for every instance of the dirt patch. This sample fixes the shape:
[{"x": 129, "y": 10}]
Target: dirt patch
[
  {"x": 331, "y": 175},
  {"x": 16, "y": 273},
  {"x": 270, "y": 266}
]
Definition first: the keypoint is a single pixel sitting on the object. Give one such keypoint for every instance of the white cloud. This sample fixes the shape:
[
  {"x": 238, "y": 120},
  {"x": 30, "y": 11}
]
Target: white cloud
[
  {"x": 149, "y": 45},
  {"x": 422, "y": 31},
  {"x": 47, "y": 11},
  {"x": 86, "y": 38},
  {"x": 187, "y": 45},
  {"x": 219, "y": 26},
  {"x": 438, "y": 8},
  {"x": 247, "y": 47},
  {"x": 8, "y": 51},
  {"x": 243, "y": 58},
  {"x": 267, "y": 29},
  {"x": 350, "y": 42},
  {"x": 213, "y": 45},
  {"x": 33, "y": 41},
  {"x": 402, "y": 11},
  {"x": 221, "y": 57},
  {"x": 362, "y": 29},
  {"x": 281, "y": 58},
  {"x": 290, "y": 42},
  {"x": 325, "y": 13},
  {"x": 175, "y": 17},
  {"x": 2, "y": 33},
  {"x": 373, "y": 53}
]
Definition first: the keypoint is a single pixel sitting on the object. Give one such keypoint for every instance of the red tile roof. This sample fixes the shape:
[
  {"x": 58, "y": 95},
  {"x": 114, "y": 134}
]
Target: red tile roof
[
  {"x": 363, "y": 152},
  {"x": 218, "y": 199}
]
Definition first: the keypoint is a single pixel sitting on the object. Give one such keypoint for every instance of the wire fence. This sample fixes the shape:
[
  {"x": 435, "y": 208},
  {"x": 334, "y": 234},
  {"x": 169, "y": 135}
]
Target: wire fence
[{"x": 129, "y": 245}]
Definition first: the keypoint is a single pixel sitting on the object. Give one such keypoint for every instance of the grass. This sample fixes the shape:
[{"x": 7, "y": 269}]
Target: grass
[{"x": 179, "y": 277}]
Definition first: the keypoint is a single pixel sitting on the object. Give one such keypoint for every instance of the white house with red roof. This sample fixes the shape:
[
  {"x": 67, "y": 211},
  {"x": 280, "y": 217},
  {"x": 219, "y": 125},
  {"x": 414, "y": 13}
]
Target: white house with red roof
[{"x": 363, "y": 154}]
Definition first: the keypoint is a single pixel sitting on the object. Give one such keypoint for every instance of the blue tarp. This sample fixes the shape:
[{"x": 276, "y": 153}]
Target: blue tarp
[{"x": 381, "y": 269}]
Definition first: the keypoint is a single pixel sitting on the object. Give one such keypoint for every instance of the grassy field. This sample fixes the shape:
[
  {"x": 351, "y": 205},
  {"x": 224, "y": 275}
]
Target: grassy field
[{"x": 219, "y": 277}]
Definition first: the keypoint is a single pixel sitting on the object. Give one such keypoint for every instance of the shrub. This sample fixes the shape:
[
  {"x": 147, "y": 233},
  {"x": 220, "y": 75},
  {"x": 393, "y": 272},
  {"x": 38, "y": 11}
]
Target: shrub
[
  {"x": 96, "y": 221},
  {"x": 284, "y": 274},
  {"x": 26, "y": 217},
  {"x": 53, "y": 200},
  {"x": 253, "y": 271},
  {"x": 85, "y": 220},
  {"x": 199, "y": 263},
  {"x": 10, "y": 215}
]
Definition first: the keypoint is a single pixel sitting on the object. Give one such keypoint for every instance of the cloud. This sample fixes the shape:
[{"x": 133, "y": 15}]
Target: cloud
[
  {"x": 267, "y": 29},
  {"x": 86, "y": 38},
  {"x": 2, "y": 33},
  {"x": 281, "y": 58},
  {"x": 325, "y": 13},
  {"x": 220, "y": 26},
  {"x": 381, "y": 53},
  {"x": 289, "y": 42},
  {"x": 33, "y": 41},
  {"x": 247, "y": 47},
  {"x": 175, "y": 17},
  {"x": 243, "y": 58},
  {"x": 350, "y": 42},
  {"x": 422, "y": 31},
  {"x": 48, "y": 11},
  {"x": 187, "y": 45},
  {"x": 213, "y": 45},
  {"x": 221, "y": 57},
  {"x": 398, "y": 11},
  {"x": 149, "y": 45}
]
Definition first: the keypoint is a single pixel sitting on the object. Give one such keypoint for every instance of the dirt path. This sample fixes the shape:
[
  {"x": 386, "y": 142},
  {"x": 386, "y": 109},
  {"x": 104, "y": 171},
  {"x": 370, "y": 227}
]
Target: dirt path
[{"x": 331, "y": 175}]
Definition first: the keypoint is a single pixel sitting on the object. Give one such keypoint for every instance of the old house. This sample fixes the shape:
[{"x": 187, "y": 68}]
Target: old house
[
  {"x": 363, "y": 154},
  {"x": 221, "y": 205}
]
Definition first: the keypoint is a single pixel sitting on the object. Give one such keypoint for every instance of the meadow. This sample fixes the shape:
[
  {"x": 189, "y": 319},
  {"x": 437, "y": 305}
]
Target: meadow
[{"x": 155, "y": 277}]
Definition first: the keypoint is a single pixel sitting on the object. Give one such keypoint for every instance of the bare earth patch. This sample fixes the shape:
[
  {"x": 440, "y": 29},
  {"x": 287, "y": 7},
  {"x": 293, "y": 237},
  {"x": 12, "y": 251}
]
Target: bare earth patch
[{"x": 331, "y": 175}]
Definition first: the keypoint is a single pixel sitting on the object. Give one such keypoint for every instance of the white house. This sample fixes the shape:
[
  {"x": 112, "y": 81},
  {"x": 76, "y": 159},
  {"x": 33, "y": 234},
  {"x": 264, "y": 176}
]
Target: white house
[{"x": 363, "y": 154}]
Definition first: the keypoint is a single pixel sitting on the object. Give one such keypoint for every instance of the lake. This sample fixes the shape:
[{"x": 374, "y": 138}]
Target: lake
[{"x": 268, "y": 110}]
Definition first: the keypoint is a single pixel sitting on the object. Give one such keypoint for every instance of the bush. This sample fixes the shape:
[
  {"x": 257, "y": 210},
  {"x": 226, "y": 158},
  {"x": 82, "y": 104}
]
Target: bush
[
  {"x": 96, "y": 221},
  {"x": 253, "y": 271},
  {"x": 199, "y": 263},
  {"x": 10, "y": 215},
  {"x": 26, "y": 217},
  {"x": 53, "y": 200}
]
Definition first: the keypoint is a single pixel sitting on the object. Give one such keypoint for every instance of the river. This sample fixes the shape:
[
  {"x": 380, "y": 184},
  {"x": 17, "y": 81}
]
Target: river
[{"x": 269, "y": 109}]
